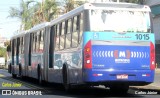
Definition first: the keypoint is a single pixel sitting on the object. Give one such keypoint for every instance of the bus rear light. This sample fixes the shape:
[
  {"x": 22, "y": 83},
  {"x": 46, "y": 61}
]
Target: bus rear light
[
  {"x": 152, "y": 56},
  {"x": 145, "y": 75},
  {"x": 87, "y": 49},
  {"x": 87, "y": 55},
  {"x": 97, "y": 74},
  {"x": 88, "y": 61}
]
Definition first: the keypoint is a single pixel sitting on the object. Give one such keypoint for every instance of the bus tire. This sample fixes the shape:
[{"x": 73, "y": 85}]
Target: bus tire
[
  {"x": 14, "y": 75},
  {"x": 39, "y": 75},
  {"x": 9, "y": 68},
  {"x": 123, "y": 89},
  {"x": 66, "y": 84},
  {"x": 20, "y": 70}
]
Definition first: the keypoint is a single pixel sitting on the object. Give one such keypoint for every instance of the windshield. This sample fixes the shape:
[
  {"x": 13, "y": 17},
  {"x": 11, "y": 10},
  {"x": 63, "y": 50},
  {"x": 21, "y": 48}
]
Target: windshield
[{"x": 120, "y": 21}]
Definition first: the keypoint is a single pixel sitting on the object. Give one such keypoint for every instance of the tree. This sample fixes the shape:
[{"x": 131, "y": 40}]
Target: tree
[
  {"x": 23, "y": 13},
  {"x": 2, "y": 52},
  {"x": 133, "y": 1},
  {"x": 46, "y": 11},
  {"x": 49, "y": 9},
  {"x": 32, "y": 15},
  {"x": 69, "y": 5}
]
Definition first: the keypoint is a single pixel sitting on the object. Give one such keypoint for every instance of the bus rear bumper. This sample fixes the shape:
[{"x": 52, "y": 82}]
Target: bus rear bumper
[{"x": 136, "y": 77}]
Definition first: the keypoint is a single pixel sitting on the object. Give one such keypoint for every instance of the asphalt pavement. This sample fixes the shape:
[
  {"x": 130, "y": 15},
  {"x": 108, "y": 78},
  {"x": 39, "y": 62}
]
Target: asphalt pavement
[
  {"x": 153, "y": 86},
  {"x": 58, "y": 91}
]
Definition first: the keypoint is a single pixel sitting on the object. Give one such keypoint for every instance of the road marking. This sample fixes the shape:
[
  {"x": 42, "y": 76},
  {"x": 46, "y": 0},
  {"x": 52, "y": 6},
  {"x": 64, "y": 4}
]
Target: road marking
[
  {"x": 27, "y": 84},
  {"x": 1, "y": 75}
]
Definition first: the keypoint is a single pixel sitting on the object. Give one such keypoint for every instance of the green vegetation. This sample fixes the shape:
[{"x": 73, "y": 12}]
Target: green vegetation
[
  {"x": 32, "y": 12},
  {"x": 2, "y": 52},
  {"x": 136, "y": 1}
]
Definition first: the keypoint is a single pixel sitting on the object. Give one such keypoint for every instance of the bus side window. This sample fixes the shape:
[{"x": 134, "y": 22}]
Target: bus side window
[
  {"x": 32, "y": 43},
  {"x": 41, "y": 41},
  {"x": 81, "y": 28},
  {"x": 18, "y": 45},
  {"x": 13, "y": 52},
  {"x": 38, "y": 41},
  {"x": 75, "y": 31},
  {"x": 57, "y": 37},
  {"x": 68, "y": 35},
  {"x": 35, "y": 43},
  {"x": 30, "y": 48},
  {"x": 17, "y": 51},
  {"x": 21, "y": 45},
  {"x": 62, "y": 36},
  {"x": 51, "y": 45}
]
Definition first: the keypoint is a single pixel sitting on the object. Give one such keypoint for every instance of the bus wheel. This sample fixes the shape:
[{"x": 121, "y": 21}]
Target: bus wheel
[
  {"x": 14, "y": 75},
  {"x": 39, "y": 76},
  {"x": 9, "y": 68},
  {"x": 65, "y": 78},
  {"x": 20, "y": 70},
  {"x": 119, "y": 89}
]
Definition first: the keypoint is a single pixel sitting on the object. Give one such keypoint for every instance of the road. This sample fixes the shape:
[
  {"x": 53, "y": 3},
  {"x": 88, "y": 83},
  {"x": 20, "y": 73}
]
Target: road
[{"x": 56, "y": 91}]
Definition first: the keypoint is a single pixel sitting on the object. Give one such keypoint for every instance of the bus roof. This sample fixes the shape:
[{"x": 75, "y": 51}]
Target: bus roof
[
  {"x": 39, "y": 26},
  {"x": 106, "y": 6},
  {"x": 118, "y": 6},
  {"x": 22, "y": 33},
  {"x": 34, "y": 29}
]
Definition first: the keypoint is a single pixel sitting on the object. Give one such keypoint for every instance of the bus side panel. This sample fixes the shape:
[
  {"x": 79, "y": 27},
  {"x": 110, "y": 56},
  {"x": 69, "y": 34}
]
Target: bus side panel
[{"x": 73, "y": 59}]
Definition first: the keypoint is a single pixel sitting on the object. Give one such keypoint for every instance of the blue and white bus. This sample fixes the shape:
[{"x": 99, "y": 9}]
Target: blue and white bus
[{"x": 110, "y": 44}]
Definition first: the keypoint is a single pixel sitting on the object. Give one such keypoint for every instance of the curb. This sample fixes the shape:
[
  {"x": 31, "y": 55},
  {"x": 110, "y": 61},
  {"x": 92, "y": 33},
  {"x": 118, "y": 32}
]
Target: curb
[
  {"x": 150, "y": 87},
  {"x": 157, "y": 70}
]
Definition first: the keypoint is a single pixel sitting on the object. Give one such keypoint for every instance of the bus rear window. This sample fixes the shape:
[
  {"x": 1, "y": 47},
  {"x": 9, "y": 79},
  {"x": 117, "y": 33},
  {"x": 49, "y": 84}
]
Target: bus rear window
[{"x": 120, "y": 21}]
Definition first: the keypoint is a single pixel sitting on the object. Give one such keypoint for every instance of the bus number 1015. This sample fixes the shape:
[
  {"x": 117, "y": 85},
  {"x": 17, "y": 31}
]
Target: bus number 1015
[{"x": 142, "y": 36}]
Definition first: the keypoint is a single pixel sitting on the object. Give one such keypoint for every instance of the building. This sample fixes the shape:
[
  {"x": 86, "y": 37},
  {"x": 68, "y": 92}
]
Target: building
[{"x": 2, "y": 40}]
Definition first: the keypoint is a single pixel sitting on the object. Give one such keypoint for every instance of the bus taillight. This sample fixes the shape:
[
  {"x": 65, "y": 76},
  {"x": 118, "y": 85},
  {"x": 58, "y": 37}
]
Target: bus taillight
[
  {"x": 88, "y": 55},
  {"x": 152, "y": 56}
]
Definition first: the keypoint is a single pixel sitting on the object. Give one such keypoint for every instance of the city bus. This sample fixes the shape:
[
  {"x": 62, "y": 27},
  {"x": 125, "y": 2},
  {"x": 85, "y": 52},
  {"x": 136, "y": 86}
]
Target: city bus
[
  {"x": 16, "y": 54},
  {"x": 110, "y": 44},
  {"x": 27, "y": 52}
]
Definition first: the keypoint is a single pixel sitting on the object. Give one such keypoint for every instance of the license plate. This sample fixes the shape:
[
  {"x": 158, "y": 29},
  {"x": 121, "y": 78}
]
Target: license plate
[{"x": 123, "y": 76}]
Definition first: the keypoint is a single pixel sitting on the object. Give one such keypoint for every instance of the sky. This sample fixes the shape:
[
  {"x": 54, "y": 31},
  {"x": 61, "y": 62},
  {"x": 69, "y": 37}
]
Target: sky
[{"x": 8, "y": 25}]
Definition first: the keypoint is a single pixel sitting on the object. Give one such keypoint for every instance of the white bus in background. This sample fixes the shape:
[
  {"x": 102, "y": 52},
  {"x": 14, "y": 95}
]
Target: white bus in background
[{"x": 2, "y": 62}]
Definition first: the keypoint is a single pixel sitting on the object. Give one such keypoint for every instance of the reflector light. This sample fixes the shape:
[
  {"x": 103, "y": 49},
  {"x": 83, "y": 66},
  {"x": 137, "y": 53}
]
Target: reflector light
[
  {"x": 87, "y": 55},
  {"x": 88, "y": 61},
  {"x": 87, "y": 49},
  {"x": 145, "y": 75}
]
